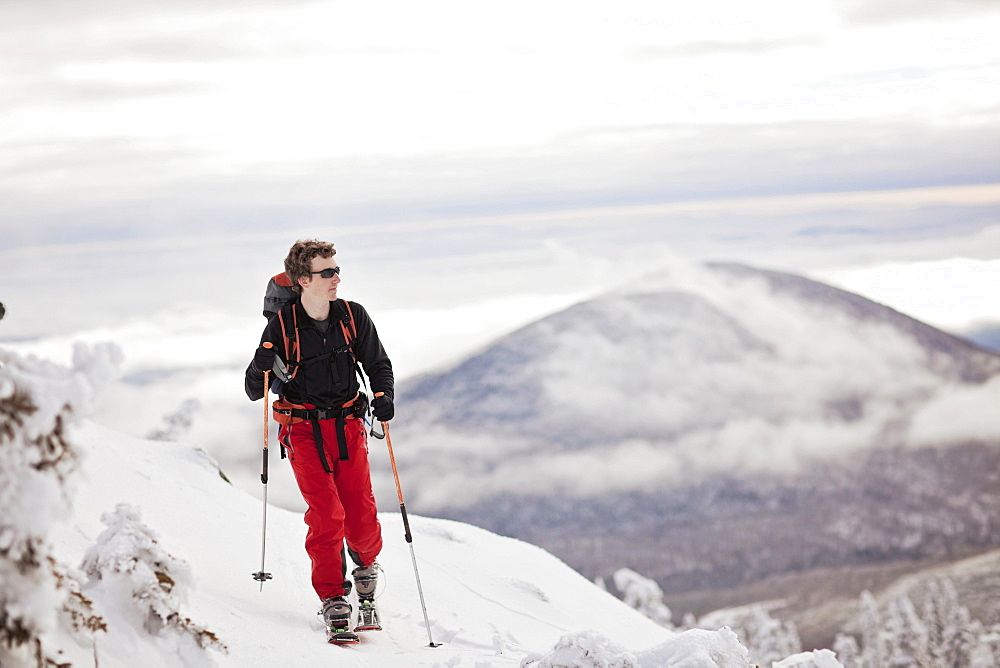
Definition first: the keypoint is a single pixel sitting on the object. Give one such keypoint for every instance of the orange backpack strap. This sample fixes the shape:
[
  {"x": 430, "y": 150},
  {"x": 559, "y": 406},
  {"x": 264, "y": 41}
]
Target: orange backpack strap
[
  {"x": 350, "y": 334},
  {"x": 291, "y": 338},
  {"x": 350, "y": 329}
]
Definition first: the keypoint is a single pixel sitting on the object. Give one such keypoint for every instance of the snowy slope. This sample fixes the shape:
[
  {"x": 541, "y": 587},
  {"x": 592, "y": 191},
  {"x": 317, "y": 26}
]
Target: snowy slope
[{"x": 492, "y": 601}]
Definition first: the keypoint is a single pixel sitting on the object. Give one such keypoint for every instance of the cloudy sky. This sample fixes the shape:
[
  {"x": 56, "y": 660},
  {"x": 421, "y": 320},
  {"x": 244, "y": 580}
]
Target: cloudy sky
[
  {"x": 174, "y": 148},
  {"x": 477, "y": 164}
]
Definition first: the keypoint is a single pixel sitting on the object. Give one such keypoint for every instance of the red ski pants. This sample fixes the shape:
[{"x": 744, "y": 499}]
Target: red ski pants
[{"x": 340, "y": 503}]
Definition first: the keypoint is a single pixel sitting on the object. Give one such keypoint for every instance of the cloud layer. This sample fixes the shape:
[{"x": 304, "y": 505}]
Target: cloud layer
[
  {"x": 161, "y": 157},
  {"x": 691, "y": 374}
]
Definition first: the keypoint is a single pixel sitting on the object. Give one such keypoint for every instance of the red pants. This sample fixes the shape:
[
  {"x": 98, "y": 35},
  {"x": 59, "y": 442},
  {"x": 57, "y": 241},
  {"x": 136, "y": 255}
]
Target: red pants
[{"x": 341, "y": 504}]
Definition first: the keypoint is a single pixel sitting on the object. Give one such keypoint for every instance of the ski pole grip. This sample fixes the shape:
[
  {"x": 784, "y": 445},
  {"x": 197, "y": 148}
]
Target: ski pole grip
[{"x": 263, "y": 474}]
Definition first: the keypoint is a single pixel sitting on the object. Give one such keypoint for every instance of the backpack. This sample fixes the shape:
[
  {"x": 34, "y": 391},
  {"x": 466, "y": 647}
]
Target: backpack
[
  {"x": 278, "y": 298},
  {"x": 278, "y": 293}
]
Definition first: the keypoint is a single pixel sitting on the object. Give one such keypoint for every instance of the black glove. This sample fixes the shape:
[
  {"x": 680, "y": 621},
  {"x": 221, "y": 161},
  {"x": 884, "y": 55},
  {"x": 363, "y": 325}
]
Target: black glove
[
  {"x": 263, "y": 359},
  {"x": 382, "y": 408}
]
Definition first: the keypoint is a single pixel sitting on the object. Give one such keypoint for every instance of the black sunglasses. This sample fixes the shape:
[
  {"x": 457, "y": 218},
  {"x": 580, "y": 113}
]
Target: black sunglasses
[{"x": 327, "y": 273}]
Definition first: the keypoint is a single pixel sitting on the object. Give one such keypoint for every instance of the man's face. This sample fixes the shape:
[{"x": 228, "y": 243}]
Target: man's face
[{"x": 317, "y": 286}]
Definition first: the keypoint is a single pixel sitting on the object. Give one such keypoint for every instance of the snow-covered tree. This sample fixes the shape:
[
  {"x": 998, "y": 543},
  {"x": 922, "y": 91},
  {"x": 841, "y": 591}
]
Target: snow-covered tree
[
  {"x": 874, "y": 649},
  {"x": 39, "y": 401},
  {"x": 847, "y": 650},
  {"x": 643, "y": 594},
  {"x": 935, "y": 621},
  {"x": 961, "y": 637},
  {"x": 147, "y": 584},
  {"x": 177, "y": 425},
  {"x": 767, "y": 638},
  {"x": 906, "y": 635},
  {"x": 952, "y": 634},
  {"x": 987, "y": 651},
  {"x": 943, "y": 635}
]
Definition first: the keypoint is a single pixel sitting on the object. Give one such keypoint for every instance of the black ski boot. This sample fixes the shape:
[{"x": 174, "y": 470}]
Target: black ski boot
[
  {"x": 336, "y": 615},
  {"x": 365, "y": 580}
]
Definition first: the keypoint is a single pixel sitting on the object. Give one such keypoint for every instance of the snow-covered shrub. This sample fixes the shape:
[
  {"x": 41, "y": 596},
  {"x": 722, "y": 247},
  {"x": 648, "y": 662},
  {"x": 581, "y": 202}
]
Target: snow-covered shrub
[
  {"x": 820, "y": 658},
  {"x": 177, "y": 425},
  {"x": 767, "y": 639},
  {"x": 643, "y": 594},
  {"x": 698, "y": 648},
  {"x": 588, "y": 649},
  {"x": 147, "y": 584},
  {"x": 39, "y": 401}
]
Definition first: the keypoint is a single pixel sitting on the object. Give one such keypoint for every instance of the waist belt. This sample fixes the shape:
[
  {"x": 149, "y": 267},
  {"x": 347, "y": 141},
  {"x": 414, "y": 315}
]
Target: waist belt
[
  {"x": 341, "y": 441},
  {"x": 321, "y": 413},
  {"x": 314, "y": 415}
]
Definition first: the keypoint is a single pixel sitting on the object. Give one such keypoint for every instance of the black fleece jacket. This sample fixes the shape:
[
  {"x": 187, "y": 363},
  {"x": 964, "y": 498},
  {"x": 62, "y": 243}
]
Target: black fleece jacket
[{"x": 330, "y": 381}]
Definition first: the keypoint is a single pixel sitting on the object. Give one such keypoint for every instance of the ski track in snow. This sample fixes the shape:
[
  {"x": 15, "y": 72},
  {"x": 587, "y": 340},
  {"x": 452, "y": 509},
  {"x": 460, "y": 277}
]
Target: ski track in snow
[{"x": 514, "y": 611}]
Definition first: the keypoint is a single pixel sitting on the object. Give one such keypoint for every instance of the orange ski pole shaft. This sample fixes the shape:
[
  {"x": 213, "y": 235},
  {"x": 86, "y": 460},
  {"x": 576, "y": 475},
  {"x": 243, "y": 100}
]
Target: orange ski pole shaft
[
  {"x": 406, "y": 528},
  {"x": 261, "y": 575}
]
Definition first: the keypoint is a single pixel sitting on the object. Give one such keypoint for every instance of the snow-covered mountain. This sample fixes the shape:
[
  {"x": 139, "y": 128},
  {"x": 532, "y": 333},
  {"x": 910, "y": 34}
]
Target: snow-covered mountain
[
  {"x": 986, "y": 335},
  {"x": 714, "y": 425},
  {"x": 119, "y": 551},
  {"x": 699, "y": 372}
]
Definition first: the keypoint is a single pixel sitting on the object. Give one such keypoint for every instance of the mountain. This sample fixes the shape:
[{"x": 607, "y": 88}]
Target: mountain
[
  {"x": 713, "y": 426},
  {"x": 720, "y": 370},
  {"x": 986, "y": 335}
]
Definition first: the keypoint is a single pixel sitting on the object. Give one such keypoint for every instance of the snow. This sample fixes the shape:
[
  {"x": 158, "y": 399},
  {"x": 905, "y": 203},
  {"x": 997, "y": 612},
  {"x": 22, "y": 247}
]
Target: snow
[
  {"x": 165, "y": 548},
  {"x": 821, "y": 658},
  {"x": 491, "y": 600}
]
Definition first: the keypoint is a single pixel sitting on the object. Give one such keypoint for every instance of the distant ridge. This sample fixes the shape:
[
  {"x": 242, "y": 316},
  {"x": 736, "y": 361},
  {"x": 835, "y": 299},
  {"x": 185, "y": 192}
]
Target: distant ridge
[
  {"x": 973, "y": 370},
  {"x": 719, "y": 368}
]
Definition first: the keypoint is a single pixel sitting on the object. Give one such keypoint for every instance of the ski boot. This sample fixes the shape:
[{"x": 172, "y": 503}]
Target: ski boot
[
  {"x": 365, "y": 580},
  {"x": 336, "y": 615}
]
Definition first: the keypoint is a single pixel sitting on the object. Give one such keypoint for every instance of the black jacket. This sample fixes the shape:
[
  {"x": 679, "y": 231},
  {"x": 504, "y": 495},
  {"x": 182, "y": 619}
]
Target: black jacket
[{"x": 330, "y": 381}]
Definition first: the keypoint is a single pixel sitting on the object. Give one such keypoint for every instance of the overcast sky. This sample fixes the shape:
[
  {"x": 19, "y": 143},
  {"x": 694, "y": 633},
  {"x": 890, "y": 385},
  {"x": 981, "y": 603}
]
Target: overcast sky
[
  {"x": 159, "y": 153},
  {"x": 477, "y": 164}
]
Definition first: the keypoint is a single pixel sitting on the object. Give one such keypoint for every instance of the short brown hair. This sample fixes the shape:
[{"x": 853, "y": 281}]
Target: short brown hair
[{"x": 298, "y": 262}]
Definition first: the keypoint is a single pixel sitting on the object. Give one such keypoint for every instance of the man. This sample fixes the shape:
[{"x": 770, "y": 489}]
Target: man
[{"x": 325, "y": 440}]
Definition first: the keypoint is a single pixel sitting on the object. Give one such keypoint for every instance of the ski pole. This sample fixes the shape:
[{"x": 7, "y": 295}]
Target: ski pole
[
  {"x": 260, "y": 575},
  {"x": 406, "y": 528}
]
